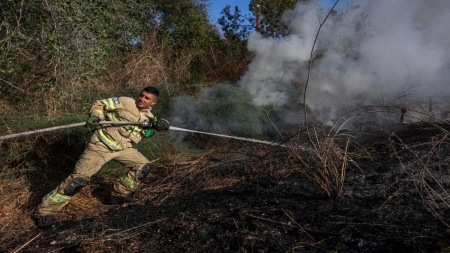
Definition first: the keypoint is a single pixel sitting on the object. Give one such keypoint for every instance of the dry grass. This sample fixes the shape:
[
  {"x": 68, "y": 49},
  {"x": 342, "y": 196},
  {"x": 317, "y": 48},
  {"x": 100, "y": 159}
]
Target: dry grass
[
  {"x": 160, "y": 63},
  {"x": 147, "y": 68},
  {"x": 425, "y": 165},
  {"x": 23, "y": 175},
  {"x": 13, "y": 203},
  {"x": 328, "y": 157},
  {"x": 19, "y": 194},
  {"x": 14, "y": 191},
  {"x": 324, "y": 161},
  {"x": 228, "y": 63},
  {"x": 210, "y": 171},
  {"x": 83, "y": 205}
]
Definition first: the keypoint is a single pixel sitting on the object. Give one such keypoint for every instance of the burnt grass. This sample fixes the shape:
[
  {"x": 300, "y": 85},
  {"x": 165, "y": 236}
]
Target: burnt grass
[{"x": 384, "y": 207}]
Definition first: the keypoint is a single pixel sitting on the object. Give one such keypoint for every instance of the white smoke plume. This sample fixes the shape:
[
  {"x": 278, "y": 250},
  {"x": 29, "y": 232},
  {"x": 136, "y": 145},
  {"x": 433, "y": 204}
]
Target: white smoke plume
[{"x": 368, "y": 52}]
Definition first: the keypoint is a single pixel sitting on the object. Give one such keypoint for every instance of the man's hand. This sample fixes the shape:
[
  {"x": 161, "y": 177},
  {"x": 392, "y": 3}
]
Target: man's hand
[
  {"x": 92, "y": 123},
  {"x": 160, "y": 124}
]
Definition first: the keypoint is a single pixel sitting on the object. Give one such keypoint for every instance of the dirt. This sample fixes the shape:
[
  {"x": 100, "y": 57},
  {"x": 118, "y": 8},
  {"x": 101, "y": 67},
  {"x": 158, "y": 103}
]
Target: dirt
[{"x": 383, "y": 207}]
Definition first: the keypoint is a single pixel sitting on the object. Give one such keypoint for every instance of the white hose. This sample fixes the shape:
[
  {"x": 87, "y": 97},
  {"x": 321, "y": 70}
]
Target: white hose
[{"x": 4, "y": 137}]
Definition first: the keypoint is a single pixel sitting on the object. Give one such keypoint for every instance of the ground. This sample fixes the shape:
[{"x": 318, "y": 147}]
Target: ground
[{"x": 394, "y": 200}]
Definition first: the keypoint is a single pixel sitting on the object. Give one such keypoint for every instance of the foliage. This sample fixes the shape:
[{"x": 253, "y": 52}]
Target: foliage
[
  {"x": 270, "y": 13},
  {"x": 46, "y": 42},
  {"x": 188, "y": 35},
  {"x": 228, "y": 64},
  {"x": 230, "y": 108},
  {"x": 186, "y": 23},
  {"x": 235, "y": 27},
  {"x": 53, "y": 50},
  {"x": 266, "y": 18}
]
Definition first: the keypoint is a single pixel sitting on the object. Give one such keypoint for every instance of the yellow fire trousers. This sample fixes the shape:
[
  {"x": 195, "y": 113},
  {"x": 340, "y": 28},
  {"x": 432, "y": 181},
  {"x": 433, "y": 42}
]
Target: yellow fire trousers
[{"x": 94, "y": 157}]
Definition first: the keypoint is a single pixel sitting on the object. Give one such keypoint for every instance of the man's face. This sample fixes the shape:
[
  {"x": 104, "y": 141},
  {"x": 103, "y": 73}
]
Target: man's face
[{"x": 145, "y": 100}]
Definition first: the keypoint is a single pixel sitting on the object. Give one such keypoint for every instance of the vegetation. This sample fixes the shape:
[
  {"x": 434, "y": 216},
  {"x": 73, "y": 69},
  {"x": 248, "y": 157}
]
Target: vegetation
[
  {"x": 57, "y": 57},
  {"x": 55, "y": 51},
  {"x": 55, "y": 48},
  {"x": 50, "y": 51},
  {"x": 268, "y": 16}
]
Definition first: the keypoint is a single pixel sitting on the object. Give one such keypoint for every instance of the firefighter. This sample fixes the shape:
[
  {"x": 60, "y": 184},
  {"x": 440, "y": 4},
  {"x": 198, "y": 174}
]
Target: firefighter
[{"x": 109, "y": 142}]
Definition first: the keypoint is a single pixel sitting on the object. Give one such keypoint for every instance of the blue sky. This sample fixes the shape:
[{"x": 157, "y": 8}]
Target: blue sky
[{"x": 218, "y": 5}]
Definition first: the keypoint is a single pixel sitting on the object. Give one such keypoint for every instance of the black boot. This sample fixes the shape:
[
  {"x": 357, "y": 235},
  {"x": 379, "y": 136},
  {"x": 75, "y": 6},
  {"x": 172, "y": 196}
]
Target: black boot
[
  {"x": 45, "y": 222},
  {"x": 131, "y": 198}
]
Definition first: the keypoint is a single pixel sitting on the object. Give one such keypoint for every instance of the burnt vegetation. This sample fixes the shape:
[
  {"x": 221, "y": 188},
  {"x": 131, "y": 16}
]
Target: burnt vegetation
[
  {"x": 243, "y": 197},
  {"x": 378, "y": 182}
]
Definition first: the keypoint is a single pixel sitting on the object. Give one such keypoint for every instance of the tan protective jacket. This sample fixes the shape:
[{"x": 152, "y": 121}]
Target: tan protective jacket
[{"x": 120, "y": 109}]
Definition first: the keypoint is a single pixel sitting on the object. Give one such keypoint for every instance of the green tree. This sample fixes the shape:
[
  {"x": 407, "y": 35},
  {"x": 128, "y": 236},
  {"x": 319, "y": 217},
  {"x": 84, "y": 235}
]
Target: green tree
[
  {"x": 186, "y": 23},
  {"x": 267, "y": 16},
  {"x": 185, "y": 26},
  {"x": 235, "y": 26}
]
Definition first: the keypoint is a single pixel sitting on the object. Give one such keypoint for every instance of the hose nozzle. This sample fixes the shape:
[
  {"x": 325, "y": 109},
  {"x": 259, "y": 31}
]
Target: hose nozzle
[{"x": 146, "y": 124}]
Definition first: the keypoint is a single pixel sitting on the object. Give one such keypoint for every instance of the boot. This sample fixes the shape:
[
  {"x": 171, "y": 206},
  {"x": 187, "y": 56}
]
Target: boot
[
  {"x": 131, "y": 198},
  {"x": 45, "y": 222}
]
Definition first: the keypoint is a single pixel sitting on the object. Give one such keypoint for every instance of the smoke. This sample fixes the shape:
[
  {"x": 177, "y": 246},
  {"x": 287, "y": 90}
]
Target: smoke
[
  {"x": 221, "y": 109},
  {"x": 369, "y": 53}
]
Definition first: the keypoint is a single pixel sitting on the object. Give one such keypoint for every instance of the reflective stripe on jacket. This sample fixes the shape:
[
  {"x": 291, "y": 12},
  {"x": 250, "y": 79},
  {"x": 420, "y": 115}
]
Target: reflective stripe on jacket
[{"x": 120, "y": 109}]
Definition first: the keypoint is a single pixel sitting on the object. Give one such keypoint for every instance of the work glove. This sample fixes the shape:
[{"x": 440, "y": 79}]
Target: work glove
[
  {"x": 92, "y": 123},
  {"x": 160, "y": 124}
]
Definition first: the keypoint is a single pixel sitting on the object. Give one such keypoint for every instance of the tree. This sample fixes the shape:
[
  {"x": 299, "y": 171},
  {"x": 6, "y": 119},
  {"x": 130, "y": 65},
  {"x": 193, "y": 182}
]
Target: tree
[
  {"x": 185, "y": 26},
  {"x": 267, "y": 16},
  {"x": 235, "y": 26},
  {"x": 186, "y": 23}
]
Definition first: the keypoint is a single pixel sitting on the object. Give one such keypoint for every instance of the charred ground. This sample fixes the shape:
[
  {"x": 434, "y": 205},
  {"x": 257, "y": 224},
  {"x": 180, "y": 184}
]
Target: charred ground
[{"x": 254, "y": 200}]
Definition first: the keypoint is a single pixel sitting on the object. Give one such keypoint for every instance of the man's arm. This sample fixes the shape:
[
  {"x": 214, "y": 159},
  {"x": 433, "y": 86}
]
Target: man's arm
[
  {"x": 107, "y": 104},
  {"x": 97, "y": 110}
]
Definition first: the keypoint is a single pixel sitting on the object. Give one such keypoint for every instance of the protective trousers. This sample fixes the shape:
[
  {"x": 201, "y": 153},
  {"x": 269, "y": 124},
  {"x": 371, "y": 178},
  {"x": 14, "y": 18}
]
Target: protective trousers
[{"x": 94, "y": 157}]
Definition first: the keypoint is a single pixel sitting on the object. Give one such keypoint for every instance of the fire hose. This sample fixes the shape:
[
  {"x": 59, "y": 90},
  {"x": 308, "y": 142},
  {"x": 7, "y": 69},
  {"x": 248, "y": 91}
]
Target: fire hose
[{"x": 143, "y": 124}]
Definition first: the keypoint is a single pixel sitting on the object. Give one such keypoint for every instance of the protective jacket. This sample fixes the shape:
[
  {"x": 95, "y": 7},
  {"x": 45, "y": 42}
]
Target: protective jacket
[{"x": 120, "y": 109}]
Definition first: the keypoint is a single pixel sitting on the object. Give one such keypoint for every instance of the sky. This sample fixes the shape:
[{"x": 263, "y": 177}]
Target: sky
[{"x": 218, "y": 5}]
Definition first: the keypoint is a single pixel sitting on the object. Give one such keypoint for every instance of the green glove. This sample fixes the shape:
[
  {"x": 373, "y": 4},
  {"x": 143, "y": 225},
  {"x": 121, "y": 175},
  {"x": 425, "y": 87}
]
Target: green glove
[
  {"x": 160, "y": 124},
  {"x": 92, "y": 123}
]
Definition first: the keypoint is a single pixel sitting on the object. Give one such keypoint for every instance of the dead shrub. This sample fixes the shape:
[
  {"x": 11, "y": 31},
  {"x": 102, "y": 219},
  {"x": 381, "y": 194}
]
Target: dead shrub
[
  {"x": 224, "y": 65},
  {"x": 140, "y": 69},
  {"x": 324, "y": 161}
]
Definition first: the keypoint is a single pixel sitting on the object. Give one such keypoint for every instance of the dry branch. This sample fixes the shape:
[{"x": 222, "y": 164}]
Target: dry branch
[{"x": 28, "y": 243}]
